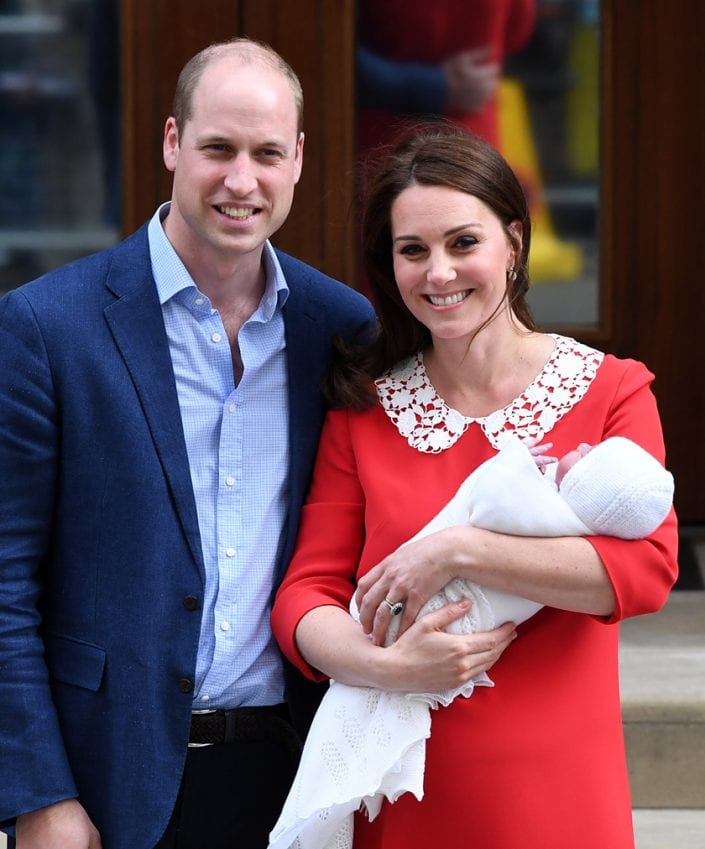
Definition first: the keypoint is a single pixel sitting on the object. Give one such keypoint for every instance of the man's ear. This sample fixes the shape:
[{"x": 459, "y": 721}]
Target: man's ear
[
  {"x": 299, "y": 158},
  {"x": 170, "y": 147}
]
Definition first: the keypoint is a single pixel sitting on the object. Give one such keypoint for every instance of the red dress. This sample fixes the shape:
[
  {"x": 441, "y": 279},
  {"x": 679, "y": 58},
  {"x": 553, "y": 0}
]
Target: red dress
[{"x": 538, "y": 761}]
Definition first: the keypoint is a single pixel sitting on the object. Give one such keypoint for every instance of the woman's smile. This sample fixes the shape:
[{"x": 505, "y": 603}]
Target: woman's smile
[{"x": 449, "y": 300}]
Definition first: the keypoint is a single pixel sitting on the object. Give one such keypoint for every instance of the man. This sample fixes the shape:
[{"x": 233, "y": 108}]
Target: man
[{"x": 160, "y": 409}]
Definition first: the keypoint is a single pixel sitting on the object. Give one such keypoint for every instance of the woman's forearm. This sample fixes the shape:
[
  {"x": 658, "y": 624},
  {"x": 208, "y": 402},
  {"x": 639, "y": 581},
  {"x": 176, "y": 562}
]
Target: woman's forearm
[
  {"x": 561, "y": 572},
  {"x": 331, "y": 641}
]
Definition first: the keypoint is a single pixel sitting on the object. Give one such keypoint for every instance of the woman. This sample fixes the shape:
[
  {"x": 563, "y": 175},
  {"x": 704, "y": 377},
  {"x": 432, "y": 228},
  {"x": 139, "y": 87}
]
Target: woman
[{"x": 537, "y": 761}]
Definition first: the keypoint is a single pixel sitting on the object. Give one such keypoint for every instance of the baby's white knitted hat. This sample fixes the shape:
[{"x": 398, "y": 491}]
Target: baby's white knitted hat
[{"x": 618, "y": 489}]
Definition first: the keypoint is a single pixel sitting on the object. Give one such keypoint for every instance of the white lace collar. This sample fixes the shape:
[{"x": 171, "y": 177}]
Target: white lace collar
[{"x": 430, "y": 425}]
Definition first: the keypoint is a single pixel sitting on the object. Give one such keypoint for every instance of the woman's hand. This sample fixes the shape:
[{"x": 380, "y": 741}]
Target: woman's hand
[
  {"x": 410, "y": 575},
  {"x": 425, "y": 659},
  {"x": 428, "y": 659}
]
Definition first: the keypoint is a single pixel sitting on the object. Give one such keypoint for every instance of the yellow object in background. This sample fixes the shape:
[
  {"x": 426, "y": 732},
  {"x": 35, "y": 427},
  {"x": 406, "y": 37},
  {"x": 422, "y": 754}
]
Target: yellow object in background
[
  {"x": 582, "y": 102},
  {"x": 550, "y": 258}
]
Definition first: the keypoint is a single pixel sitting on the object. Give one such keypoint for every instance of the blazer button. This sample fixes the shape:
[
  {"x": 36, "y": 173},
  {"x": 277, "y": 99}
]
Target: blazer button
[
  {"x": 185, "y": 685},
  {"x": 190, "y": 602}
]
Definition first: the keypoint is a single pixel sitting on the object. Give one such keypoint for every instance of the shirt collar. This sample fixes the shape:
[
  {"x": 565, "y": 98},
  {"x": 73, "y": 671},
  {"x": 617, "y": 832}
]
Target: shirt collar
[{"x": 171, "y": 276}]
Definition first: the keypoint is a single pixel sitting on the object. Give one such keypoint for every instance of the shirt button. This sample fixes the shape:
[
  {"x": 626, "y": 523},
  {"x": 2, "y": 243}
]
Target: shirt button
[
  {"x": 224, "y": 626},
  {"x": 231, "y": 408},
  {"x": 199, "y": 302},
  {"x": 230, "y": 481},
  {"x": 185, "y": 685},
  {"x": 230, "y": 552},
  {"x": 190, "y": 602},
  {"x": 216, "y": 337}
]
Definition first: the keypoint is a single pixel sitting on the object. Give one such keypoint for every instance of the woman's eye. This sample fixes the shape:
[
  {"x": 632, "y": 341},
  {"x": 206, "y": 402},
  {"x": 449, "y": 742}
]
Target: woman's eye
[
  {"x": 465, "y": 242},
  {"x": 411, "y": 250}
]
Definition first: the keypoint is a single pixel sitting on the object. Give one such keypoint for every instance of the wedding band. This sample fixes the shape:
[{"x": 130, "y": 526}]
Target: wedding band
[{"x": 395, "y": 607}]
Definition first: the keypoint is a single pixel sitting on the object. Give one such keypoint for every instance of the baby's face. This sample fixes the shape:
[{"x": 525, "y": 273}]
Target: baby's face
[{"x": 566, "y": 463}]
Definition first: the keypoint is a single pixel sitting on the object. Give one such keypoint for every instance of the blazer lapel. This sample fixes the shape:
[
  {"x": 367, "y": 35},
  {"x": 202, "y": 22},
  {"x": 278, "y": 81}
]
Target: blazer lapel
[
  {"x": 306, "y": 353},
  {"x": 136, "y": 322},
  {"x": 307, "y": 356}
]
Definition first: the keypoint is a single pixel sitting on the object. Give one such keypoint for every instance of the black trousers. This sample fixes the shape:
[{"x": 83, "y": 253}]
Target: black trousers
[{"x": 231, "y": 795}]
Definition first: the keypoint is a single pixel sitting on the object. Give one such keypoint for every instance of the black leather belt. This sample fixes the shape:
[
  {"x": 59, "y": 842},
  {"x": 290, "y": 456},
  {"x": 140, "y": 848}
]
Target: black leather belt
[{"x": 250, "y": 724}]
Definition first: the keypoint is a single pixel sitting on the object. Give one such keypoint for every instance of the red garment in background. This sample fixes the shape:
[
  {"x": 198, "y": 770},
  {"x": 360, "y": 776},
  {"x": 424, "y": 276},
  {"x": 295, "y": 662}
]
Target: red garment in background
[{"x": 428, "y": 31}]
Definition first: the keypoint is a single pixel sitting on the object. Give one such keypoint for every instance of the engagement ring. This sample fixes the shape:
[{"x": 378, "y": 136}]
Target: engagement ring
[{"x": 395, "y": 607}]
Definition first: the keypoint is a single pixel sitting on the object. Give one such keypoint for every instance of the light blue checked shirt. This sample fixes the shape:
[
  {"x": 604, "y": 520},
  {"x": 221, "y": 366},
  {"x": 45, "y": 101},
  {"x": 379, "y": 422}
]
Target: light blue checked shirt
[{"x": 237, "y": 438}]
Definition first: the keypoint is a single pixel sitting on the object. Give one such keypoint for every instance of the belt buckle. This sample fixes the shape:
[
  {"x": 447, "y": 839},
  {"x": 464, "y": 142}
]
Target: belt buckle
[{"x": 200, "y": 713}]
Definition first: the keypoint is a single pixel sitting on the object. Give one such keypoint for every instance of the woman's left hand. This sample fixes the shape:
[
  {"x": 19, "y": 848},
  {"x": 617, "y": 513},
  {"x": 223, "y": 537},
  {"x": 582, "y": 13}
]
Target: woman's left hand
[{"x": 411, "y": 575}]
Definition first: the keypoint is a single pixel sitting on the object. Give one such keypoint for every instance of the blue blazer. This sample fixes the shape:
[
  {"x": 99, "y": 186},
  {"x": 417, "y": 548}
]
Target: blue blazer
[{"x": 99, "y": 538}]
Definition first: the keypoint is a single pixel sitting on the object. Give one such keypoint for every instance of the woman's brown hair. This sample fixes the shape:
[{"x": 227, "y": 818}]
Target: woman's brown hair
[{"x": 437, "y": 154}]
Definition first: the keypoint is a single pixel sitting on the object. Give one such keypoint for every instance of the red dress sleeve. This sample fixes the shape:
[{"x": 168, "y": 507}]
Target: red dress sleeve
[
  {"x": 331, "y": 536},
  {"x": 642, "y": 572}
]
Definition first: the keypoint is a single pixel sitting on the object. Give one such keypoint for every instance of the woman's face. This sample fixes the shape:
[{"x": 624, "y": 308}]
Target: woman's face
[{"x": 451, "y": 258}]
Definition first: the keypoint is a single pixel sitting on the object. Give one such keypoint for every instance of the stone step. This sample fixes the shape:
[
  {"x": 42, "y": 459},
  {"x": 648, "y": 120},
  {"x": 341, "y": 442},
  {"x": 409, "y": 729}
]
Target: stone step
[
  {"x": 669, "y": 829},
  {"x": 662, "y": 668},
  {"x": 653, "y": 829}
]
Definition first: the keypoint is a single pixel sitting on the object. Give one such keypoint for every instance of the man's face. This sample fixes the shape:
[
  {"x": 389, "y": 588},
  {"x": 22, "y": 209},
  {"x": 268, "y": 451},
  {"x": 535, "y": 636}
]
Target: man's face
[{"x": 235, "y": 162}]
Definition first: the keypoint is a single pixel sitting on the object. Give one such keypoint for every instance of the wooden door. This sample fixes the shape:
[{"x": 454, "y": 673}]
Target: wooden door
[{"x": 653, "y": 162}]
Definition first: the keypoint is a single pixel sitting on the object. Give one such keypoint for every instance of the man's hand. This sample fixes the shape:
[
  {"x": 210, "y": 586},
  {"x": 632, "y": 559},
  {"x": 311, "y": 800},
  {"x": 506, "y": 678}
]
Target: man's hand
[
  {"x": 64, "y": 825},
  {"x": 472, "y": 80}
]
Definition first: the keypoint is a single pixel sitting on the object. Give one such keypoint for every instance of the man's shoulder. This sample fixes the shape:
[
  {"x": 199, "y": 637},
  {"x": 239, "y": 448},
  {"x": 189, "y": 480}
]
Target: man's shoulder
[
  {"x": 85, "y": 271},
  {"x": 306, "y": 281}
]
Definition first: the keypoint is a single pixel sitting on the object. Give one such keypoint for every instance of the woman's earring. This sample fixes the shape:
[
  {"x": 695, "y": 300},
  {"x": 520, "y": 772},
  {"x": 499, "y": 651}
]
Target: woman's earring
[{"x": 512, "y": 273}]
